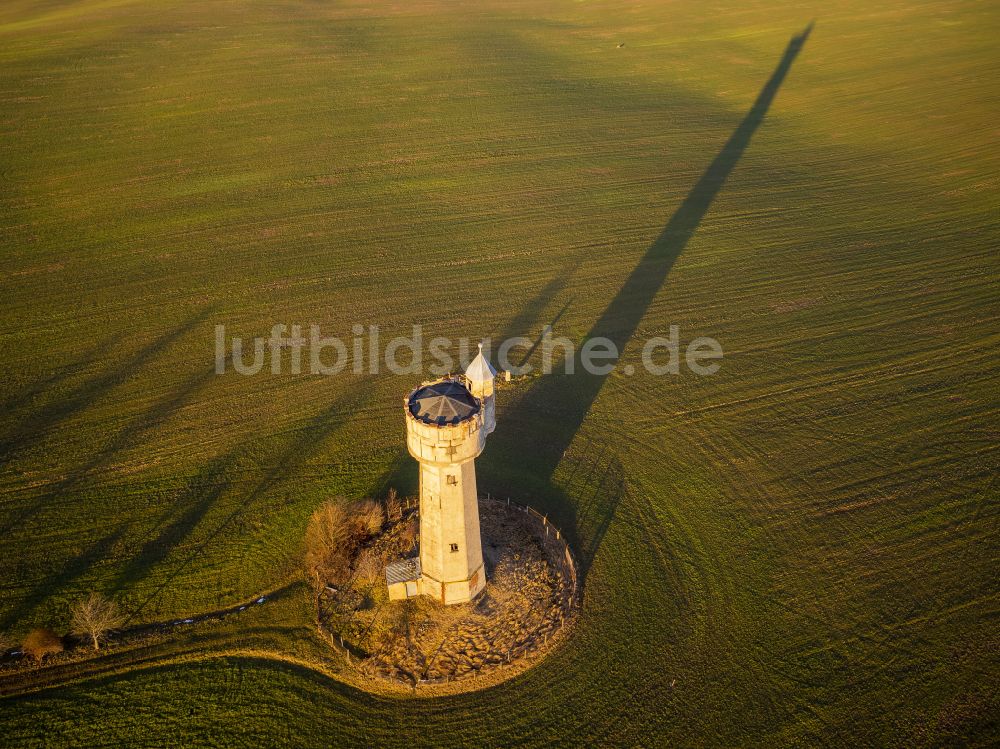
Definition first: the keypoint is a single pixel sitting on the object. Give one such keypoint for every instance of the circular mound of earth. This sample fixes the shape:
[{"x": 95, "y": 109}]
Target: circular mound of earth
[{"x": 526, "y": 608}]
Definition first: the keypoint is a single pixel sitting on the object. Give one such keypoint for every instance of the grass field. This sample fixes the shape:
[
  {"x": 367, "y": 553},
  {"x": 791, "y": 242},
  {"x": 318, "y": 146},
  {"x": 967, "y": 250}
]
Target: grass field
[{"x": 799, "y": 550}]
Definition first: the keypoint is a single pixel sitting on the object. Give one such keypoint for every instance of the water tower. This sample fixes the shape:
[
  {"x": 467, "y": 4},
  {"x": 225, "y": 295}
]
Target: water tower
[{"x": 447, "y": 422}]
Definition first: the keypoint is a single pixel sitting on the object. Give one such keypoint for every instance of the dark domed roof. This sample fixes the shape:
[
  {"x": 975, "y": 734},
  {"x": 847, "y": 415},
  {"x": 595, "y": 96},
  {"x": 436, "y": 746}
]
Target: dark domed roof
[{"x": 443, "y": 402}]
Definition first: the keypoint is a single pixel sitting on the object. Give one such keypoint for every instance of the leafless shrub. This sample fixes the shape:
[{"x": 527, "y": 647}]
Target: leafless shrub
[
  {"x": 368, "y": 566},
  {"x": 328, "y": 544},
  {"x": 40, "y": 643},
  {"x": 409, "y": 535},
  {"x": 94, "y": 617},
  {"x": 368, "y": 517},
  {"x": 393, "y": 507}
]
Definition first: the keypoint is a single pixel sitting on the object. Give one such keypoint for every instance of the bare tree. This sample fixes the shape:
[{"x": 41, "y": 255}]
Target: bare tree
[
  {"x": 393, "y": 507},
  {"x": 328, "y": 544},
  {"x": 409, "y": 535},
  {"x": 368, "y": 566},
  {"x": 368, "y": 517},
  {"x": 94, "y": 617},
  {"x": 40, "y": 643}
]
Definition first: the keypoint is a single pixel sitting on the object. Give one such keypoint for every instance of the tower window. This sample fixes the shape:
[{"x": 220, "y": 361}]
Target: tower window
[
  {"x": 454, "y": 547},
  {"x": 452, "y": 480}
]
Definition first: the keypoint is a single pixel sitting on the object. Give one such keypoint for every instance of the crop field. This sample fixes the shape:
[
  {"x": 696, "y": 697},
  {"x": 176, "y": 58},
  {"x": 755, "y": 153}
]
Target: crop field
[{"x": 802, "y": 549}]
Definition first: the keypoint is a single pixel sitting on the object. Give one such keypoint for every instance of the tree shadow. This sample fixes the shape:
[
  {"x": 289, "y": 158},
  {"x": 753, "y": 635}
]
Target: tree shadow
[
  {"x": 124, "y": 438},
  {"x": 194, "y": 502},
  {"x": 540, "y": 426},
  {"x": 73, "y": 569},
  {"x": 530, "y": 313},
  {"x": 127, "y": 436},
  {"x": 28, "y": 394},
  {"x": 541, "y": 335},
  {"x": 37, "y": 425},
  {"x": 211, "y": 485},
  {"x": 596, "y": 486}
]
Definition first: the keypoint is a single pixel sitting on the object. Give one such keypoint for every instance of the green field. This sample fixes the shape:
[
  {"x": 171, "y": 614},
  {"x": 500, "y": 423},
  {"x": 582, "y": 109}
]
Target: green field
[{"x": 799, "y": 550}]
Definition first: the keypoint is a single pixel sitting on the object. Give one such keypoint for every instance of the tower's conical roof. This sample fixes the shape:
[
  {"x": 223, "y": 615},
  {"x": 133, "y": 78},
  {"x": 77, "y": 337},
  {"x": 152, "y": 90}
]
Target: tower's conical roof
[
  {"x": 480, "y": 369},
  {"x": 443, "y": 402}
]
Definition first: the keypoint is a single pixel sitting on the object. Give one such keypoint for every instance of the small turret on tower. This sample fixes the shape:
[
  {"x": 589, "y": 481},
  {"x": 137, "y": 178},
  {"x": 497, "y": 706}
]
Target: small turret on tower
[{"x": 481, "y": 375}]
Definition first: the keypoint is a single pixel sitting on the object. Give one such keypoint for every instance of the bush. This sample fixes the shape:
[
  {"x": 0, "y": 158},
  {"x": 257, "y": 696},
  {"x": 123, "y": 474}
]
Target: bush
[
  {"x": 368, "y": 567},
  {"x": 333, "y": 536},
  {"x": 368, "y": 517},
  {"x": 393, "y": 507},
  {"x": 409, "y": 535},
  {"x": 328, "y": 544},
  {"x": 40, "y": 643}
]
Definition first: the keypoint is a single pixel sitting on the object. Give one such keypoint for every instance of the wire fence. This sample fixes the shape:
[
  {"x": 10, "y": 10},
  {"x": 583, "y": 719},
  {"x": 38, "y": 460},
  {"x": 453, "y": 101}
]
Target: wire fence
[{"x": 555, "y": 542}]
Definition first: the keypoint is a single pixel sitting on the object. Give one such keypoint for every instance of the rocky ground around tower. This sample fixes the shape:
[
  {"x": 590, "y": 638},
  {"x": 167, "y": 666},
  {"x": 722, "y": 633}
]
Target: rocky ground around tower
[{"x": 527, "y": 605}]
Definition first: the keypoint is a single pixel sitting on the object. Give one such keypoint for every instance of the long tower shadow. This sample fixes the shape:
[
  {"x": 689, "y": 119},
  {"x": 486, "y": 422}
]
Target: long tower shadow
[{"x": 540, "y": 426}]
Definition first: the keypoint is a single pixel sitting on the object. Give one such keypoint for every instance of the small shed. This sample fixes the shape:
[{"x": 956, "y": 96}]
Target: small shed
[{"x": 402, "y": 578}]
